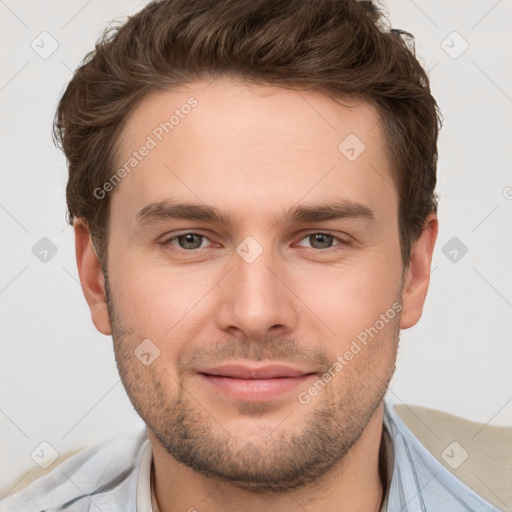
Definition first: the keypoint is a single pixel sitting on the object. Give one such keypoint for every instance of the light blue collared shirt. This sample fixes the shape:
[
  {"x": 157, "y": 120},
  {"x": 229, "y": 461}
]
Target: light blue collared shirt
[{"x": 420, "y": 483}]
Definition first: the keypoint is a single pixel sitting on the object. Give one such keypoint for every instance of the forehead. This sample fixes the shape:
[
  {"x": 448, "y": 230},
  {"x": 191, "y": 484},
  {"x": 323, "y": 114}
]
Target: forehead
[{"x": 233, "y": 145}]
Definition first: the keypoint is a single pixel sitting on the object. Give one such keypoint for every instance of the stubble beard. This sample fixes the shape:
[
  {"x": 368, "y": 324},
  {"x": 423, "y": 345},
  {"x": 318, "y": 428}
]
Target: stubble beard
[{"x": 278, "y": 461}]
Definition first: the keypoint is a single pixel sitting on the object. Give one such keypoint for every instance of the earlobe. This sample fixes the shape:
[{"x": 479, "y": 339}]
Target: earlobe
[
  {"x": 91, "y": 277},
  {"x": 417, "y": 276}
]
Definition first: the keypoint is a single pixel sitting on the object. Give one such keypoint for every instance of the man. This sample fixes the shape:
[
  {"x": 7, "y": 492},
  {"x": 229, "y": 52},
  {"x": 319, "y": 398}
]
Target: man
[{"x": 251, "y": 186}]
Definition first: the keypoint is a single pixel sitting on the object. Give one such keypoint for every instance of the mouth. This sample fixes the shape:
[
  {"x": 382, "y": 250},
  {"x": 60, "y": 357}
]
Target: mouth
[{"x": 255, "y": 383}]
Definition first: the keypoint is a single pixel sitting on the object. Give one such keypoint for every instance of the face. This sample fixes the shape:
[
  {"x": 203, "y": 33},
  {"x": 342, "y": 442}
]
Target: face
[{"x": 254, "y": 277}]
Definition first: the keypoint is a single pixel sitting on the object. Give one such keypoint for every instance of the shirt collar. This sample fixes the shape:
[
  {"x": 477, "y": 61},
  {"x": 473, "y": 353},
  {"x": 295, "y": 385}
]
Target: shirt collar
[{"x": 146, "y": 500}]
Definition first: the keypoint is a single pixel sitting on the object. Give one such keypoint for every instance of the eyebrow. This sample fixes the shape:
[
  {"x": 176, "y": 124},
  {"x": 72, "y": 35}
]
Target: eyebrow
[
  {"x": 168, "y": 210},
  {"x": 342, "y": 209}
]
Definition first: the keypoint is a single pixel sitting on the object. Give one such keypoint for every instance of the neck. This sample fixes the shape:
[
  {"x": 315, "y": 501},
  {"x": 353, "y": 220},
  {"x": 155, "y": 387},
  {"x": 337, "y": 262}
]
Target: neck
[{"x": 353, "y": 484}]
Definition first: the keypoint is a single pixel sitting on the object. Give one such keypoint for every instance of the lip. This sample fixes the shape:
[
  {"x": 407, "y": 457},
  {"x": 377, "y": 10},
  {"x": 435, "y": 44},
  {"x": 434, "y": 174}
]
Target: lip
[
  {"x": 243, "y": 371},
  {"x": 255, "y": 383}
]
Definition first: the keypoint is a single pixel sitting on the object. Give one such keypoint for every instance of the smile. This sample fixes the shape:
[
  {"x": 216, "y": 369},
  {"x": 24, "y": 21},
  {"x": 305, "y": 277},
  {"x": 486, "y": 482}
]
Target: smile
[{"x": 255, "y": 384}]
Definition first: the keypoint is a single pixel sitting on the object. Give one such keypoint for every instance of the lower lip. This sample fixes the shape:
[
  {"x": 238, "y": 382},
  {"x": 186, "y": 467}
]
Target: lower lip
[{"x": 256, "y": 390}]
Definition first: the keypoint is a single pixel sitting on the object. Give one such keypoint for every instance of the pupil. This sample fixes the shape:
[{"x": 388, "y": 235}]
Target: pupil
[
  {"x": 190, "y": 241},
  {"x": 321, "y": 240}
]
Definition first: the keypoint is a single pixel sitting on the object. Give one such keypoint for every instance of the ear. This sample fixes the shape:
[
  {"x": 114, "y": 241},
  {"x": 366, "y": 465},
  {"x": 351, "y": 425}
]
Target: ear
[
  {"x": 91, "y": 277},
  {"x": 417, "y": 275}
]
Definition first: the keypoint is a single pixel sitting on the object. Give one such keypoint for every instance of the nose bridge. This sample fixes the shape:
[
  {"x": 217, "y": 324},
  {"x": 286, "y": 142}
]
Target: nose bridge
[{"x": 254, "y": 299}]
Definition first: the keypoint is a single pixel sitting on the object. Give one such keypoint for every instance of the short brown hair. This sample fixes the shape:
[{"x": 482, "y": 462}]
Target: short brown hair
[{"x": 336, "y": 47}]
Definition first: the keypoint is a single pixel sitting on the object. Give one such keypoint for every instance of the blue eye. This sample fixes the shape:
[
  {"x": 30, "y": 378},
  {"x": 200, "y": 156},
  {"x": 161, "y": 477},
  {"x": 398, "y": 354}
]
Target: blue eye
[
  {"x": 322, "y": 240},
  {"x": 190, "y": 241},
  {"x": 187, "y": 241}
]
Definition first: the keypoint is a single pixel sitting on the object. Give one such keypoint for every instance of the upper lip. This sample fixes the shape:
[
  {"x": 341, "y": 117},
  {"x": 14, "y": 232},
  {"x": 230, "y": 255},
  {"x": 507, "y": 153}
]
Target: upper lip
[{"x": 244, "y": 371}]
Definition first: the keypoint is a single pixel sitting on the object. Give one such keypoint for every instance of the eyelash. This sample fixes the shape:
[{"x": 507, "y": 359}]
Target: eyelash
[{"x": 342, "y": 243}]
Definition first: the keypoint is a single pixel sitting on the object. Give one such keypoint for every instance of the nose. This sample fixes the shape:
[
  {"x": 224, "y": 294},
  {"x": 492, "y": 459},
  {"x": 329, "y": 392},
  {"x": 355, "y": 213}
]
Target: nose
[{"x": 256, "y": 300}]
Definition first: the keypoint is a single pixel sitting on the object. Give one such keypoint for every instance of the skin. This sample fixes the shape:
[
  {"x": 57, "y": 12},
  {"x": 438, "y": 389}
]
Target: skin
[{"x": 255, "y": 153}]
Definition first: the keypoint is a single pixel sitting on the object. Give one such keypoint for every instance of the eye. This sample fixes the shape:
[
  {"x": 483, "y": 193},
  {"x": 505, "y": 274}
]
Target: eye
[
  {"x": 322, "y": 240},
  {"x": 187, "y": 241}
]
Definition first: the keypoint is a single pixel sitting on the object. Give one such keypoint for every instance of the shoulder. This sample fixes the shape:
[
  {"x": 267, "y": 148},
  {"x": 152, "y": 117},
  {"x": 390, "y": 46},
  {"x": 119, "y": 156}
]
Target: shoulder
[
  {"x": 104, "y": 475},
  {"x": 478, "y": 455}
]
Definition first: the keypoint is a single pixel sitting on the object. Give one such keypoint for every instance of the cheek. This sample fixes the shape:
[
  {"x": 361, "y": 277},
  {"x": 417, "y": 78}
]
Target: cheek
[
  {"x": 349, "y": 297},
  {"x": 158, "y": 302}
]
